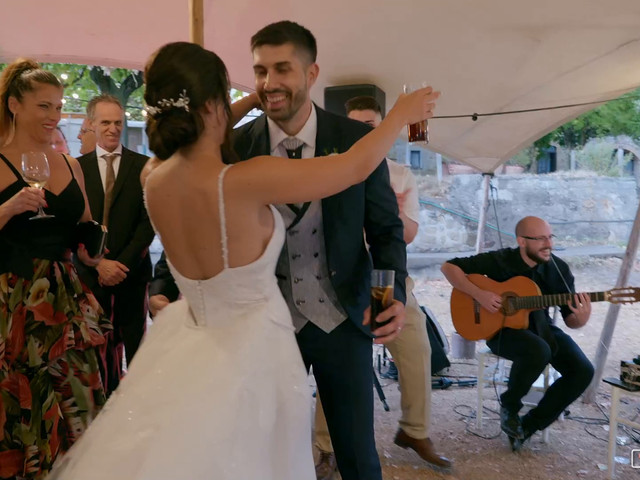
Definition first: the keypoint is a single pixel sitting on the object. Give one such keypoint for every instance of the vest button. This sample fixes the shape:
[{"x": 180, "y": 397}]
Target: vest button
[
  {"x": 315, "y": 255},
  {"x": 297, "y": 280},
  {"x": 299, "y": 302},
  {"x": 321, "y": 300}
]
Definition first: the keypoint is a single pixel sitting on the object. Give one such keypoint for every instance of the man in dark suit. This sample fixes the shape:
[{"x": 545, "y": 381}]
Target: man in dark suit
[
  {"x": 119, "y": 282},
  {"x": 324, "y": 267}
]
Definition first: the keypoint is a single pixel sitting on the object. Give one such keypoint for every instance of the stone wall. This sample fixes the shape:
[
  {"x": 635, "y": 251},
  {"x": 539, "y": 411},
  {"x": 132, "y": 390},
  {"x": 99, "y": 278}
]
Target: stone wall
[{"x": 583, "y": 209}]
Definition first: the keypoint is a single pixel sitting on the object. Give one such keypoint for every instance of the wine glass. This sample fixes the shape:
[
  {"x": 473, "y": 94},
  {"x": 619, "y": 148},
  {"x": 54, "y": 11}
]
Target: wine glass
[{"x": 35, "y": 171}]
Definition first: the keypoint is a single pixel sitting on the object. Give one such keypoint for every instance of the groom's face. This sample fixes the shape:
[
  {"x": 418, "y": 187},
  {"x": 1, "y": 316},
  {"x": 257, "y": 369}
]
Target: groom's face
[{"x": 283, "y": 79}]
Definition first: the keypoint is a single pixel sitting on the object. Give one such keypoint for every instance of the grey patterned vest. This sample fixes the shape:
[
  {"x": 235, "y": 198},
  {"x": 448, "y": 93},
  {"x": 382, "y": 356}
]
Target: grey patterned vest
[{"x": 303, "y": 275}]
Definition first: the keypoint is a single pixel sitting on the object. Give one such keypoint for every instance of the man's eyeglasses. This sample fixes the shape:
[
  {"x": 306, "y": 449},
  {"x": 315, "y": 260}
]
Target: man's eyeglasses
[
  {"x": 541, "y": 238},
  {"x": 85, "y": 130}
]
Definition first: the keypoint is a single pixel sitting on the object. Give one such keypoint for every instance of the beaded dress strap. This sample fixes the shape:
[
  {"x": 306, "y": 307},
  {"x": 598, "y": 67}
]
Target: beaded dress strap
[{"x": 223, "y": 223}]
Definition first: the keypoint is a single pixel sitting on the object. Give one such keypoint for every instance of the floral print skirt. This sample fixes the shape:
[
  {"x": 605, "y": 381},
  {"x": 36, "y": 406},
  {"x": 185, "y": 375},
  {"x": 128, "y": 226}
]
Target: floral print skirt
[{"x": 50, "y": 383}]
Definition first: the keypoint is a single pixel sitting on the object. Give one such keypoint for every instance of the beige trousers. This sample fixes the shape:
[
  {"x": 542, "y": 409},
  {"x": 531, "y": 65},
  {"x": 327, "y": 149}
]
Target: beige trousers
[{"x": 411, "y": 353}]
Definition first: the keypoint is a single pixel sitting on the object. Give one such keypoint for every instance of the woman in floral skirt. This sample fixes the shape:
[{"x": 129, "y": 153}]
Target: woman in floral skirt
[{"x": 50, "y": 325}]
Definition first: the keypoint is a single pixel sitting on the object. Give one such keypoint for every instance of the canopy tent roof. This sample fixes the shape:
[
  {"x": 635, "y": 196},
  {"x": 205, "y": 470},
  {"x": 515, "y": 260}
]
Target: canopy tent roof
[{"x": 485, "y": 56}]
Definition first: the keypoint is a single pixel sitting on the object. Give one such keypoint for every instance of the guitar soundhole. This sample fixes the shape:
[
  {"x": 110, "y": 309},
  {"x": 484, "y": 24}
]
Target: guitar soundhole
[{"x": 508, "y": 303}]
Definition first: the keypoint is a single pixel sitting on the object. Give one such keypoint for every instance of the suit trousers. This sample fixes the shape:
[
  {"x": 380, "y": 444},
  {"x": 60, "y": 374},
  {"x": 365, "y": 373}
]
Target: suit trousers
[
  {"x": 126, "y": 305},
  {"x": 342, "y": 366},
  {"x": 530, "y": 355},
  {"x": 411, "y": 352}
]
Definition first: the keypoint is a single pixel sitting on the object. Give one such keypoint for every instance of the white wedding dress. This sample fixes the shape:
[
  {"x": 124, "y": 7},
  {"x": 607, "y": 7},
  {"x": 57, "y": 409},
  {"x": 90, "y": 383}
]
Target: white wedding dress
[{"x": 217, "y": 391}]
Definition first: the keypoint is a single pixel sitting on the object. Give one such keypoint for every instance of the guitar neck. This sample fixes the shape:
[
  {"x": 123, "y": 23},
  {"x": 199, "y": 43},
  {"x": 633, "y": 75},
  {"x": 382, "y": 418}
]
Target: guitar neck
[{"x": 544, "y": 301}]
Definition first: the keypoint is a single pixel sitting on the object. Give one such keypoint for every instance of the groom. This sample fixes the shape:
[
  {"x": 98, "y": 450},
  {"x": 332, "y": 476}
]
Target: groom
[{"x": 324, "y": 267}]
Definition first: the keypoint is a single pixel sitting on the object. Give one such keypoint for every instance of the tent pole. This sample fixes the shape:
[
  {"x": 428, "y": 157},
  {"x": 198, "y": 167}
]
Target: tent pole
[
  {"x": 486, "y": 178},
  {"x": 196, "y": 18},
  {"x": 612, "y": 314}
]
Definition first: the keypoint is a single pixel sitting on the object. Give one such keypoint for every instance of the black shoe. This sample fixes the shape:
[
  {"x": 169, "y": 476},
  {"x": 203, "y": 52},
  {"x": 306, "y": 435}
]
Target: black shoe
[
  {"x": 516, "y": 444},
  {"x": 527, "y": 428},
  {"x": 510, "y": 424},
  {"x": 391, "y": 372}
]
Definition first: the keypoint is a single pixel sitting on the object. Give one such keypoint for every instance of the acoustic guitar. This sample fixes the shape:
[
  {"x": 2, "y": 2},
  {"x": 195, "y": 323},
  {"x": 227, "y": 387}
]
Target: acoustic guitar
[{"x": 520, "y": 296}]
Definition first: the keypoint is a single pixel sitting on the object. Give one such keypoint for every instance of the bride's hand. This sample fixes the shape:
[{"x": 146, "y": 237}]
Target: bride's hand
[{"x": 416, "y": 106}]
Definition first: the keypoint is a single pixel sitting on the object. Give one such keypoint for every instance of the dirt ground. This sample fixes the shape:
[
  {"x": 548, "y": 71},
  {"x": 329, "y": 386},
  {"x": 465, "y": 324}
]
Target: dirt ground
[{"x": 577, "y": 446}]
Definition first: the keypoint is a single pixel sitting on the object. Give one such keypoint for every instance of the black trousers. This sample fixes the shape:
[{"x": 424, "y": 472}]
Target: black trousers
[
  {"x": 530, "y": 355},
  {"x": 126, "y": 305},
  {"x": 341, "y": 362}
]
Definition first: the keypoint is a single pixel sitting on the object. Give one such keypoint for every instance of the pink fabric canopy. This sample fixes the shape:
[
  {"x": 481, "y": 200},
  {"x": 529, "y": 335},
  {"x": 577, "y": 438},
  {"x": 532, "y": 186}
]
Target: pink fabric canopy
[{"x": 485, "y": 56}]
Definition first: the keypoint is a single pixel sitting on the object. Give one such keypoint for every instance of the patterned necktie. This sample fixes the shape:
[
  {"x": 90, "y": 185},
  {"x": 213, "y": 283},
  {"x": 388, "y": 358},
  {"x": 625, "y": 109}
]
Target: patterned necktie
[
  {"x": 109, "y": 183},
  {"x": 293, "y": 146}
]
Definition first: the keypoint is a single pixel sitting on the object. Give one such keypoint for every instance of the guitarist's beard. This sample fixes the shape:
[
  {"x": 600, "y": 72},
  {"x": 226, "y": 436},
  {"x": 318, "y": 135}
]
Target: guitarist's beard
[{"x": 536, "y": 256}]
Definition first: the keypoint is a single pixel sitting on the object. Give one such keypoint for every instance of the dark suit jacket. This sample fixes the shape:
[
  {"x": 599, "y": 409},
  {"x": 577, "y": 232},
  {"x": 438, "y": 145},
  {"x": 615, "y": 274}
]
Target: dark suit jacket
[
  {"x": 130, "y": 231},
  {"x": 370, "y": 206}
]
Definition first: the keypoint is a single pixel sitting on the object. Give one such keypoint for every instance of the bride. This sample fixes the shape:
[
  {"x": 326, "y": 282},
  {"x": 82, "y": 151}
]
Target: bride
[{"x": 218, "y": 389}]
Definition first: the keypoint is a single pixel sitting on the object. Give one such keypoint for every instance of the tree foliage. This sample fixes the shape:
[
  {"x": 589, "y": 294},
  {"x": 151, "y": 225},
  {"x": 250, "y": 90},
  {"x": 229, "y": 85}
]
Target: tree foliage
[
  {"x": 617, "y": 117},
  {"x": 83, "y": 82}
]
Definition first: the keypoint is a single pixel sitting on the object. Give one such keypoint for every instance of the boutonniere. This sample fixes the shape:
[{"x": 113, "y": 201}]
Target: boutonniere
[{"x": 332, "y": 152}]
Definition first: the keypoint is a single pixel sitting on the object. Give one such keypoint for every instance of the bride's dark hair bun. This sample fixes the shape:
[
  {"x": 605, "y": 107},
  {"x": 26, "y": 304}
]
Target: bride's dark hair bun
[
  {"x": 180, "y": 78},
  {"x": 172, "y": 130}
]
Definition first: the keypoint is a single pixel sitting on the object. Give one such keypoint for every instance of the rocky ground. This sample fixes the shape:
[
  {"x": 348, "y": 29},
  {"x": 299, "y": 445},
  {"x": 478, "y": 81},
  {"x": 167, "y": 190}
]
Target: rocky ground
[{"x": 577, "y": 446}]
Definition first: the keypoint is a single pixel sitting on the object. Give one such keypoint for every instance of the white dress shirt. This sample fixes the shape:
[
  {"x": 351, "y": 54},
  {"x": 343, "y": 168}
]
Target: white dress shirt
[
  {"x": 307, "y": 134},
  {"x": 402, "y": 179}
]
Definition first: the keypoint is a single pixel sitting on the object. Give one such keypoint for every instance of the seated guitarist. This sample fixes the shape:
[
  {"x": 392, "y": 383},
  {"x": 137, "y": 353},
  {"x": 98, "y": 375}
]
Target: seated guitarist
[{"x": 542, "y": 343}]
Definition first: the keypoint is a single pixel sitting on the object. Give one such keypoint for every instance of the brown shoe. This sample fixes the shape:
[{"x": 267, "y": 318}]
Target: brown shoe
[
  {"x": 424, "y": 448},
  {"x": 326, "y": 466}
]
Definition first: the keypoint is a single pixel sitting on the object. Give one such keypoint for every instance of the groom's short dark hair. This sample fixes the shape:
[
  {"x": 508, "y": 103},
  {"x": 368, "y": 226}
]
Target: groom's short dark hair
[{"x": 286, "y": 31}]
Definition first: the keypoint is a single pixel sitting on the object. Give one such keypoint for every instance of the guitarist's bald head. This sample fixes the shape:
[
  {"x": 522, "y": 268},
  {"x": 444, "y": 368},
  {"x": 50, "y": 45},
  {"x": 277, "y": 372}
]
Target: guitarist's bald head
[
  {"x": 531, "y": 226},
  {"x": 535, "y": 240}
]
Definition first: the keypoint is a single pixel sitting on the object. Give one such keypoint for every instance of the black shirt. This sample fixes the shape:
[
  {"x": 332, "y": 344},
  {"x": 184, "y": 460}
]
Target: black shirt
[{"x": 501, "y": 265}]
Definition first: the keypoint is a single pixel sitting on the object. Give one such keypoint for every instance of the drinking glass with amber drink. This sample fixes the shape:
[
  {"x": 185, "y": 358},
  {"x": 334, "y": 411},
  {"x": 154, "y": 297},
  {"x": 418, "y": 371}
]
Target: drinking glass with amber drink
[
  {"x": 417, "y": 132},
  {"x": 381, "y": 294}
]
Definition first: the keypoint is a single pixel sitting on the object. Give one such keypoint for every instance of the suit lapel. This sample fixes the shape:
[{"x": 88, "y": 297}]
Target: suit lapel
[
  {"x": 325, "y": 145},
  {"x": 260, "y": 143},
  {"x": 123, "y": 172}
]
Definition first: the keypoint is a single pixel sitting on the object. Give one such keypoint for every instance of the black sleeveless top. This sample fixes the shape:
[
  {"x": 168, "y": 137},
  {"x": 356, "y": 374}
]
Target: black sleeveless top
[{"x": 22, "y": 239}]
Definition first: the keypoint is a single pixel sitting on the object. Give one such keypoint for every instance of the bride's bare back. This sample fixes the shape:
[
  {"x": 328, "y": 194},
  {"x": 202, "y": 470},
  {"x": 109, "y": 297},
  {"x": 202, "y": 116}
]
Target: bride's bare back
[{"x": 184, "y": 205}]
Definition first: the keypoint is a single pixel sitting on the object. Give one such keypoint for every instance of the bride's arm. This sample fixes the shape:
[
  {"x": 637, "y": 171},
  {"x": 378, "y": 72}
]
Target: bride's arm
[
  {"x": 241, "y": 107},
  {"x": 283, "y": 180}
]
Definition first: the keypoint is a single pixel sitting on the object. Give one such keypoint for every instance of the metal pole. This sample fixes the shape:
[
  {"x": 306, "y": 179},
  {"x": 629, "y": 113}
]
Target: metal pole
[
  {"x": 612, "y": 314},
  {"x": 486, "y": 178}
]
